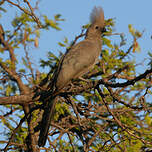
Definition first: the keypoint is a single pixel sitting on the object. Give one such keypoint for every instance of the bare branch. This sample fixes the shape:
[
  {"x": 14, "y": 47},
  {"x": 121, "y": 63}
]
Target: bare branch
[
  {"x": 129, "y": 82},
  {"x": 21, "y": 99}
]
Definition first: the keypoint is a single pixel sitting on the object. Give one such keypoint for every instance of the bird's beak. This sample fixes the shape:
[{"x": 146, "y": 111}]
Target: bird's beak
[{"x": 103, "y": 30}]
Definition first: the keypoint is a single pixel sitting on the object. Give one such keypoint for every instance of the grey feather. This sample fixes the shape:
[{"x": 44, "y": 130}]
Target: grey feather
[
  {"x": 75, "y": 63},
  {"x": 97, "y": 16}
]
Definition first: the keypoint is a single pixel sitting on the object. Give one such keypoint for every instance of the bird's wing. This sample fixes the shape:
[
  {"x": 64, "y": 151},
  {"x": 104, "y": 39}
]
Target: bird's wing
[{"x": 77, "y": 62}]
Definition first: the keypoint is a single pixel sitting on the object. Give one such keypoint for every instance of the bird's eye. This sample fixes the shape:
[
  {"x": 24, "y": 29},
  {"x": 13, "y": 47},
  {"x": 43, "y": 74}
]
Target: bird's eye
[{"x": 96, "y": 27}]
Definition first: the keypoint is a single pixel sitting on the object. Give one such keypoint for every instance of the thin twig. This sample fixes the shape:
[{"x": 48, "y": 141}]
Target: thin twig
[
  {"x": 27, "y": 12},
  {"x": 13, "y": 134}
]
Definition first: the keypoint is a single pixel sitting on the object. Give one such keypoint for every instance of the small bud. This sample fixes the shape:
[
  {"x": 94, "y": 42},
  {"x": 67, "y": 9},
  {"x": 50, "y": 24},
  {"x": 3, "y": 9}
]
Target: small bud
[{"x": 36, "y": 42}]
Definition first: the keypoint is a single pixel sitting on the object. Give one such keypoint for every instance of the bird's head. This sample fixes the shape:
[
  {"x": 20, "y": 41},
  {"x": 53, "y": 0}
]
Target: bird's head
[{"x": 97, "y": 26}]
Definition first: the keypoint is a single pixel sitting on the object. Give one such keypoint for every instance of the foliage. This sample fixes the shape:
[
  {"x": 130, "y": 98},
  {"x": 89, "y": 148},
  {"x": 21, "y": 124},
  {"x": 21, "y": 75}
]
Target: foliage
[{"x": 109, "y": 113}]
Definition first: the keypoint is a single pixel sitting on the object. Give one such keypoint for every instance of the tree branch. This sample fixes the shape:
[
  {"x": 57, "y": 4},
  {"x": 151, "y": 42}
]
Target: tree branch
[
  {"x": 129, "y": 82},
  {"x": 27, "y": 12},
  {"x": 74, "y": 90},
  {"x": 13, "y": 134},
  {"x": 21, "y": 99}
]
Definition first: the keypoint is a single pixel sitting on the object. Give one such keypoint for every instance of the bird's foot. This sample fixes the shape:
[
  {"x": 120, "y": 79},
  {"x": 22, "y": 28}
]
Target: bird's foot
[{"x": 85, "y": 80}]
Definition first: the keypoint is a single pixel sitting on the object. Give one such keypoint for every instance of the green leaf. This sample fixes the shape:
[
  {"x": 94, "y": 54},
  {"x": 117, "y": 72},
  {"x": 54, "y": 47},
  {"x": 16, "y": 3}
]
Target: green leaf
[
  {"x": 107, "y": 42},
  {"x": 110, "y": 22},
  {"x": 2, "y": 9},
  {"x": 134, "y": 32},
  {"x": 57, "y": 17},
  {"x": 131, "y": 29},
  {"x": 148, "y": 120},
  {"x": 8, "y": 90},
  {"x": 61, "y": 44},
  {"x": 65, "y": 40},
  {"x": 37, "y": 32},
  {"x": 25, "y": 62},
  {"x": 85, "y": 26},
  {"x": 7, "y": 124},
  {"x": 54, "y": 25},
  {"x": 22, "y": 70}
]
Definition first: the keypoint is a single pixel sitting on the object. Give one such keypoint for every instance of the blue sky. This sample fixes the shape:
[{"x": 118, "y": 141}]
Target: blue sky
[{"x": 76, "y": 13}]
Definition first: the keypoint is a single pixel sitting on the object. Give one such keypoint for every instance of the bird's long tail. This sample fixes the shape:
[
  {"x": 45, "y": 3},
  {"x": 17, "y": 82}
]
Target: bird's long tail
[{"x": 46, "y": 119}]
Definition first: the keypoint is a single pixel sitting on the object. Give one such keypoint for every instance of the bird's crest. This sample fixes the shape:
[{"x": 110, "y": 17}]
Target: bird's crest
[{"x": 97, "y": 16}]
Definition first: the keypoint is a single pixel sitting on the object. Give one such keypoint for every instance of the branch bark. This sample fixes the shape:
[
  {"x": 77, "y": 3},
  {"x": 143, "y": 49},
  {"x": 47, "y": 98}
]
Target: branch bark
[
  {"x": 74, "y": 90},
  {"x": 21, "y": 99}
]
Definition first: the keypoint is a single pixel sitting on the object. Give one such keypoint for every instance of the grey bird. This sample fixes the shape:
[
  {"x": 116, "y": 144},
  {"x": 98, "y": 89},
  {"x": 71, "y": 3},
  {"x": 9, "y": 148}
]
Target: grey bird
[{"x": 75, "y": 63}]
